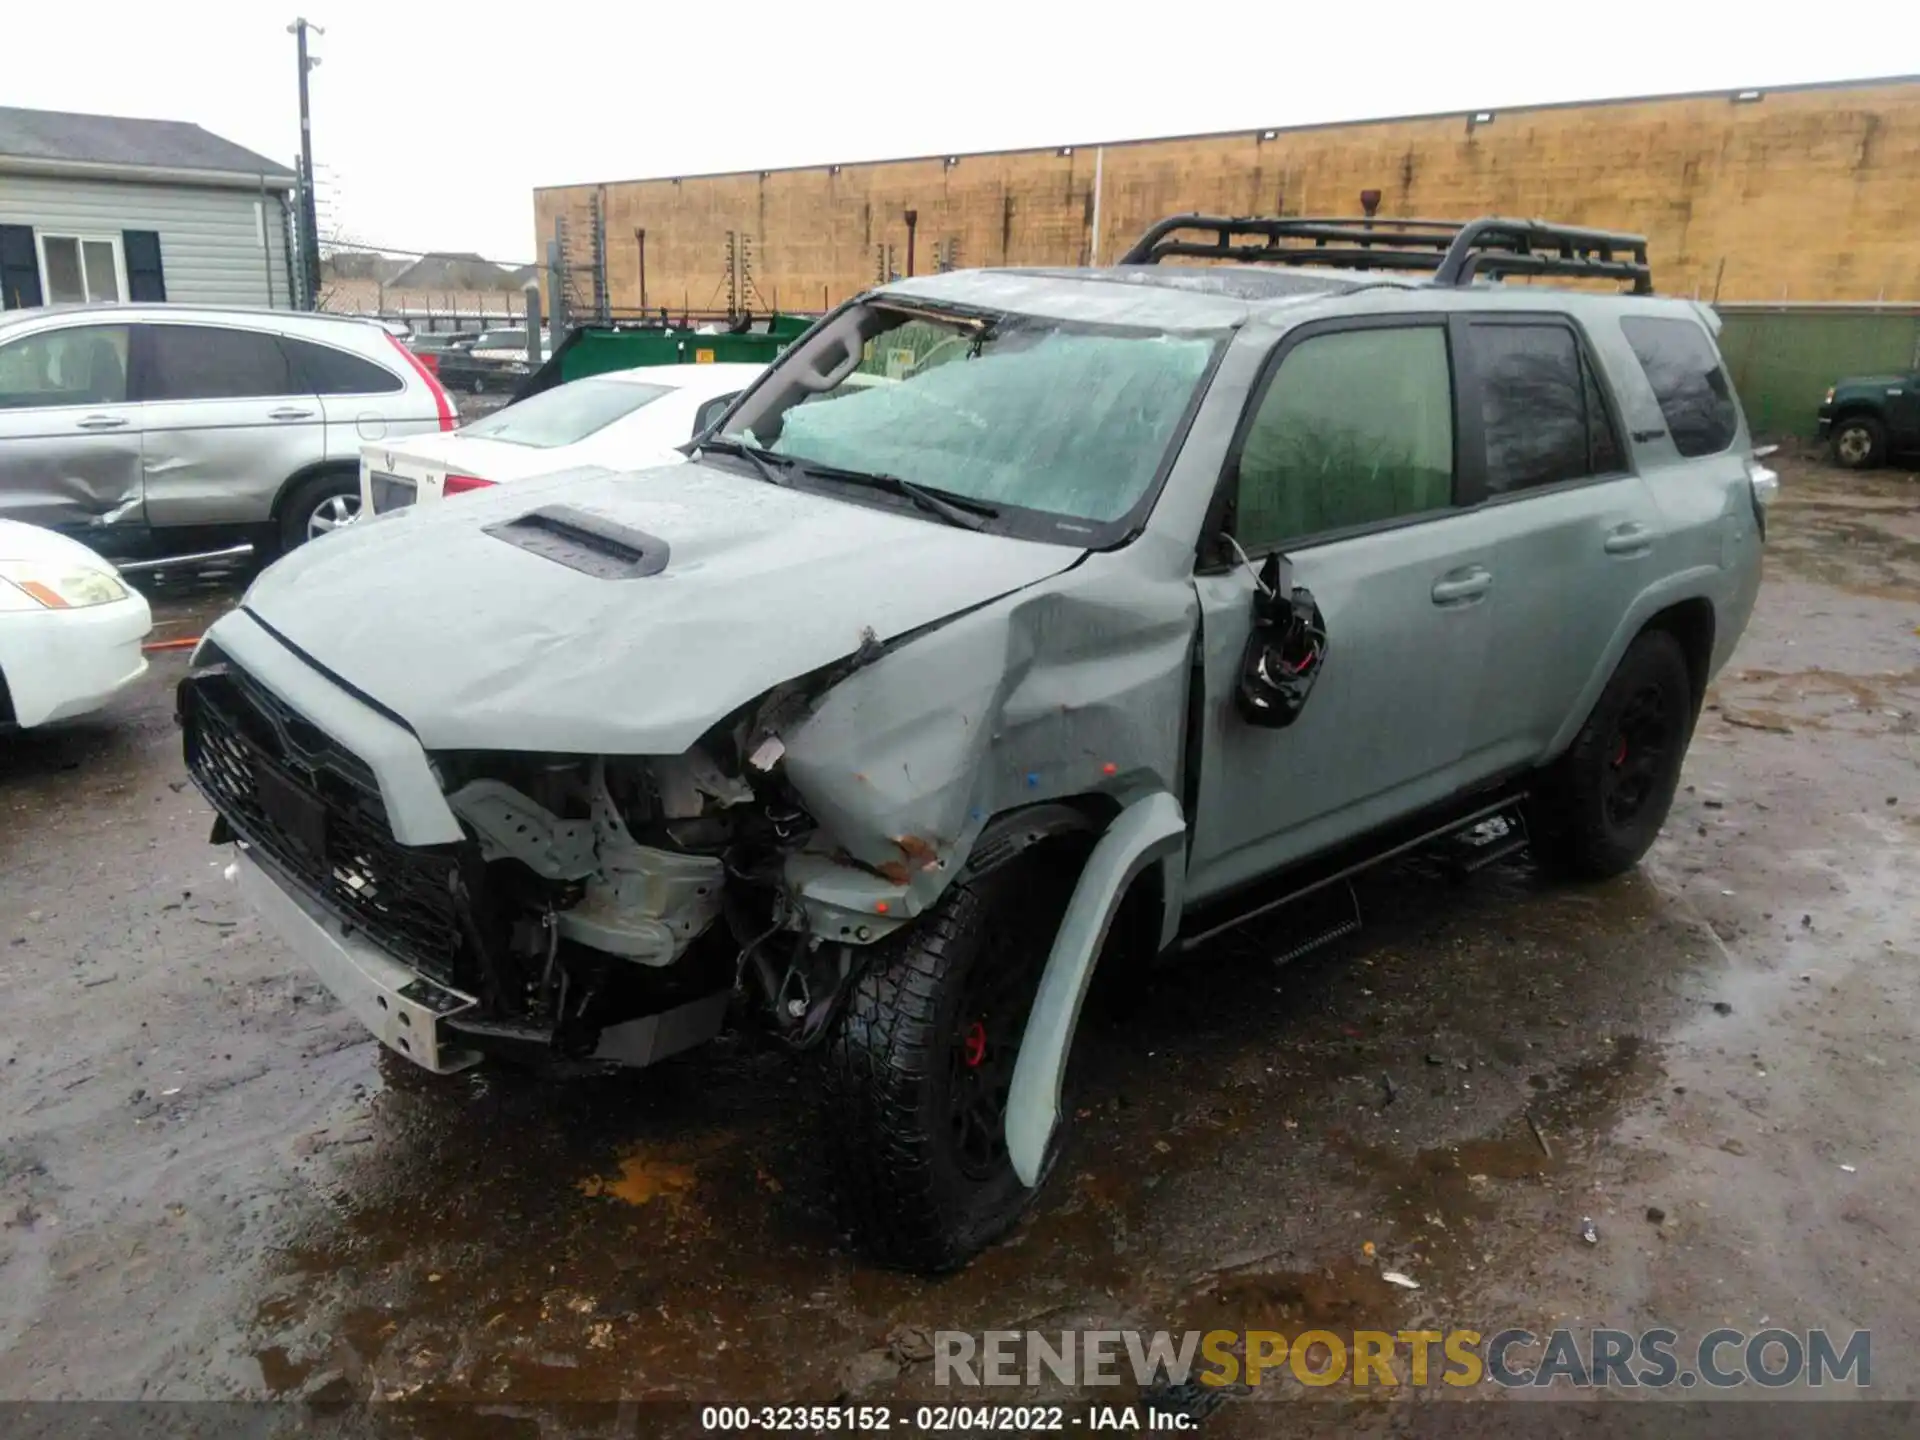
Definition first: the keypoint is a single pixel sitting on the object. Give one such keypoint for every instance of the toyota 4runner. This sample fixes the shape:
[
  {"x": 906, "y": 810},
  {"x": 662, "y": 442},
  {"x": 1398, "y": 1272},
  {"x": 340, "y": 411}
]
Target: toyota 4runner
[{"x": 1138, "y": 600}]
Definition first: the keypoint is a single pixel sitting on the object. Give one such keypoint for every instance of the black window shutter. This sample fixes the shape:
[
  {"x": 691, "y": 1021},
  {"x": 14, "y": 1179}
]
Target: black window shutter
[
  {"x": 19, "y": 268},
  {"x": 142, "y": 250}
]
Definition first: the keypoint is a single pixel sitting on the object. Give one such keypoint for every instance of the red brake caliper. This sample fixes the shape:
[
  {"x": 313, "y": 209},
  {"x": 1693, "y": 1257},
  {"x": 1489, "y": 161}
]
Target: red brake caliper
[
  {"x": 975, "y": 1041},
  {"x": 1620, "y": 754}
]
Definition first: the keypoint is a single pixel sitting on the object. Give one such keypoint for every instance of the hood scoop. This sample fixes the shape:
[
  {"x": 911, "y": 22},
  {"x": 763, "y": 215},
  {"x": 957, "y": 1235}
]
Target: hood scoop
[{"x": 581, "y": 540}]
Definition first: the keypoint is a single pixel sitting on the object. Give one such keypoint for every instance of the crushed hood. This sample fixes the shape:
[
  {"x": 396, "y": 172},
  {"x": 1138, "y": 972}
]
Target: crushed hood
[{"x": 479, "y": 643}]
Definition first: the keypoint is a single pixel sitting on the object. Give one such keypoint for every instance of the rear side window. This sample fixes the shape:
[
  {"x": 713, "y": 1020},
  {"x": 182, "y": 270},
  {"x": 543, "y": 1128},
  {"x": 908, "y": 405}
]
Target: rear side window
[
  {"x": 1355, "y": 427},
  {"x": 1540, "y": 407},
  {"x": 206, "y": 362},
  {"x": 1684, "y": 370},
  {"x": 323, "y": 370},
  {"x": 566, "y": 413}
]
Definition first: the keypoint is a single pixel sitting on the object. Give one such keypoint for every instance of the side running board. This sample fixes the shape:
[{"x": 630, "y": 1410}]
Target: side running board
[{"x": 1477, "y": 819}]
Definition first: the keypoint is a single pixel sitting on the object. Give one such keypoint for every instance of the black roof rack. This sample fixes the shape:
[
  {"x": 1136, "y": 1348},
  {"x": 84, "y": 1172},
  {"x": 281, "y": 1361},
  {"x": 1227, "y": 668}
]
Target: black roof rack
[{"x": 1453, "y": 250}]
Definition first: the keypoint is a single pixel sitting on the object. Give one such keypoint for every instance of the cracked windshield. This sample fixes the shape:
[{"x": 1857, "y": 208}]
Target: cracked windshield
[{"x": 1009, "y": 411}]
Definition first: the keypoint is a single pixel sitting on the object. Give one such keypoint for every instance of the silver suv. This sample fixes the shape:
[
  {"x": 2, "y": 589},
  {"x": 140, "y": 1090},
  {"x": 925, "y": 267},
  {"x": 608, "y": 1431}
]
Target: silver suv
[
  {"x": 156, "y": 429},
  {"x": 1115, "y": 608}
]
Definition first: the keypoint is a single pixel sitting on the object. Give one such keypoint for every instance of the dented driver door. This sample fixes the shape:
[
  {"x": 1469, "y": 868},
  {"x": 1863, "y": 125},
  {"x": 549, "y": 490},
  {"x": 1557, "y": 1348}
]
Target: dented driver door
[{"x": 69, "y": 438}]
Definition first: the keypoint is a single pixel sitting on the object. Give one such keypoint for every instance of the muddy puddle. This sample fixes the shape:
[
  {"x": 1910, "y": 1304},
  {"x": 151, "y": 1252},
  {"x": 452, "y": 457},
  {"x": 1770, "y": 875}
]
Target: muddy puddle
[{"x": 1235, "y": 1124}]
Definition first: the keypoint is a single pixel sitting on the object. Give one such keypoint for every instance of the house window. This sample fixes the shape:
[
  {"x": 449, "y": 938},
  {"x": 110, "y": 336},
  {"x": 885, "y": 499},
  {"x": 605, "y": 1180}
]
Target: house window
[{"x": 76, "y": 269}]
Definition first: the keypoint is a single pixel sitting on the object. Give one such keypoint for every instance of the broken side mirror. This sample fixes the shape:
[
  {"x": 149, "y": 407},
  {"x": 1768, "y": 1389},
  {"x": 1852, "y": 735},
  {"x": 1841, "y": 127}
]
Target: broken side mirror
[{"x": 1286, "y": 650}]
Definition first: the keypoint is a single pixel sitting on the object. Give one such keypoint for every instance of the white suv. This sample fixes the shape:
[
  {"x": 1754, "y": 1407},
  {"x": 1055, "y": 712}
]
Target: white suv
[{"x": 166, "y": 429}]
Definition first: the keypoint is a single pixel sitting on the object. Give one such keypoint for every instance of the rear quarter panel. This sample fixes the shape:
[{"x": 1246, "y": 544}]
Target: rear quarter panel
[
  {"x": 1709, "y": 546},
  {"x": 357, "y": 420}
]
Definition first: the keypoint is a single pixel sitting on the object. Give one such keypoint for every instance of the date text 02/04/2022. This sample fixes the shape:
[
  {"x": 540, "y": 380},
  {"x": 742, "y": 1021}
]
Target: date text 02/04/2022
[{"x": 939, "y": 1419}]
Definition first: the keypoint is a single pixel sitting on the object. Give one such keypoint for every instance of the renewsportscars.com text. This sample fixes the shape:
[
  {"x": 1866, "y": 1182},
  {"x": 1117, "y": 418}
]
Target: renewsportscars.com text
[{"x": 1623, "y": 1359}]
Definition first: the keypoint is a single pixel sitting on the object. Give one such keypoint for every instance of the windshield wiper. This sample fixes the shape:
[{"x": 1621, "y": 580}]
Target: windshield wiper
[
  {"x": 775, "y": 469},
  {"x": 961, "y": 510},
  {"x": 761, "y": 460}
]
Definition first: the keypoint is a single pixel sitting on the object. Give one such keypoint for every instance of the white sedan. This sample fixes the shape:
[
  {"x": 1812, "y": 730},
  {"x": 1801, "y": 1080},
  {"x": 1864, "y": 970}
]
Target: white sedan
[
  {"x": 622, "y": 420},
  {"x": 70, "y": 629}
]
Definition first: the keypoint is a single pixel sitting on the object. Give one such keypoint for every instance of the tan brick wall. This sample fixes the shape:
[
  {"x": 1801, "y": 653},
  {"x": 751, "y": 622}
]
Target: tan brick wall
[{"x": 1809, "y": 194}]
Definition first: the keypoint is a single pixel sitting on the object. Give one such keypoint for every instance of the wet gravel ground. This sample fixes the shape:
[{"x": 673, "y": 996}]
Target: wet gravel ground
[{"x": 212, "y": 1184}]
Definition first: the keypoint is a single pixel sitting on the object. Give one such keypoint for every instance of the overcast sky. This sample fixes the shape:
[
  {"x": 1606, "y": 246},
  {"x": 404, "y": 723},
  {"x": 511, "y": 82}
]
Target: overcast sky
[{"x": 433, "y": 123}]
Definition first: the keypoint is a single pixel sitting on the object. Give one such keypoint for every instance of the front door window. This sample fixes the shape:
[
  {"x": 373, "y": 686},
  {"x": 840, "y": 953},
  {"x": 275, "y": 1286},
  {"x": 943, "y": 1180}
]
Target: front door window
[
  {"x": 1356, "y": 429},
  {"x": 78, "y": 365}
]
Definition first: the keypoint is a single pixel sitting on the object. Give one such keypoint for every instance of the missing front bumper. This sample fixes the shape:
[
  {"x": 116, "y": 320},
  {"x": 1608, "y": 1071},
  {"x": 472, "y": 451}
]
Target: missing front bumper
[
  {"x": 423, "y": 1020},
  {"x": 404, "y": 1010}
]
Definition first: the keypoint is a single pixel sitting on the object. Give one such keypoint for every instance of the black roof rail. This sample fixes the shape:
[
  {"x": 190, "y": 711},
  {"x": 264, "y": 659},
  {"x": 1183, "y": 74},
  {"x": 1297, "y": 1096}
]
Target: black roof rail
[{"x": 1454, "y": 251}]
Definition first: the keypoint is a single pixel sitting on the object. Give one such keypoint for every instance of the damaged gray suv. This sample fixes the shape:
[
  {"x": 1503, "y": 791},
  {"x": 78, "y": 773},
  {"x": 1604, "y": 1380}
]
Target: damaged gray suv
[{"x": 1010, "y": 617}]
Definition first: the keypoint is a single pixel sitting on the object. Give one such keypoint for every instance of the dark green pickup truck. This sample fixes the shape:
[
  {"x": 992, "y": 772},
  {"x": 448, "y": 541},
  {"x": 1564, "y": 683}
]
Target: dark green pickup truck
[{"x": 1868, "y": 418}]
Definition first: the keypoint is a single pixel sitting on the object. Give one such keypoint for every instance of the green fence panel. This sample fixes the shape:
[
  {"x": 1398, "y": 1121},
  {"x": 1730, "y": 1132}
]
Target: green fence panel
[{"x": 1783, "y": 358}]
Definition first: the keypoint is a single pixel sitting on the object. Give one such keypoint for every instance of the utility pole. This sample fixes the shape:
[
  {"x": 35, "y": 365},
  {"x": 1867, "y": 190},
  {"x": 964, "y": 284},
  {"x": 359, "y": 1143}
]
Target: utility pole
[{"x": 309, "y": 219}]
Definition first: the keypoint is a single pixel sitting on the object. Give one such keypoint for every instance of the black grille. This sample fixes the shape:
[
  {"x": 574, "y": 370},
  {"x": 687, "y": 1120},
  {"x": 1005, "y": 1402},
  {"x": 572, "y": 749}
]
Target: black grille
[{"x": 403, "y": 898}]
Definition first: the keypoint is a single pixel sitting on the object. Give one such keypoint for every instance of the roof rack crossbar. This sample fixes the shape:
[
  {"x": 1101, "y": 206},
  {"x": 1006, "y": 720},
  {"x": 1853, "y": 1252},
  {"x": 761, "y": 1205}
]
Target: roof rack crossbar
[
  {"x": 1496, "y": 246},
  {"x": 1455, "y": 251},
  {"x": 1343, "y": 256}
]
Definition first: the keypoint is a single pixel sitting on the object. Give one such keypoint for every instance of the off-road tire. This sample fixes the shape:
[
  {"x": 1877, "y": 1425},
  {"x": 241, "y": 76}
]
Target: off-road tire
[
  {"x": 1598, "y": 809},
  {"x": 306, "y": 497},
  {"x": 1856, "y": 456},
  {"x": 907, "y": 1189}
]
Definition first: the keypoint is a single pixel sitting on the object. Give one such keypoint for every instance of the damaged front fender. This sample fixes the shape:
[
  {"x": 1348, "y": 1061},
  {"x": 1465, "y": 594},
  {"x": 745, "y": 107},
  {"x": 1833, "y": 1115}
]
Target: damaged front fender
[{"x": 1074, "y": 689}]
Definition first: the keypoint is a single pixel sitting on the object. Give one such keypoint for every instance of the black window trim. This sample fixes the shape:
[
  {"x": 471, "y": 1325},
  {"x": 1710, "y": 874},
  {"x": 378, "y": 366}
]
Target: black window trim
[
  {"x": 1226, "y": 486},
  {"x": 140, "y": 361},
  {"x": 1467, "y": 381}
]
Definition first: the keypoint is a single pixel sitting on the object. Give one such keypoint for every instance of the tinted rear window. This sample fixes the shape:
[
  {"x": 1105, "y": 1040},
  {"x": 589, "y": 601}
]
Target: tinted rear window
[
  {"x": 206, "y": 362},
  {"x": 1540, "y": 407},
  {"x": 1684, "y": 371},
  {"x": 1531, "y": 404},
  {"x": 566, "y": 413},
  {"x": 327, "y": 371}
]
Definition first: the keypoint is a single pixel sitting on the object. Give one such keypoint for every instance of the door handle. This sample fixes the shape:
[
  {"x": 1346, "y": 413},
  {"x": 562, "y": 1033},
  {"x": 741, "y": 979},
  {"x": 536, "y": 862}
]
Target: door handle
[
  {"x": 287, "y": 412},
  {"x": 103, "y": 422},
  {"x": 1457, "y": 587},
  {"x": 1632, "y": 538}
]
